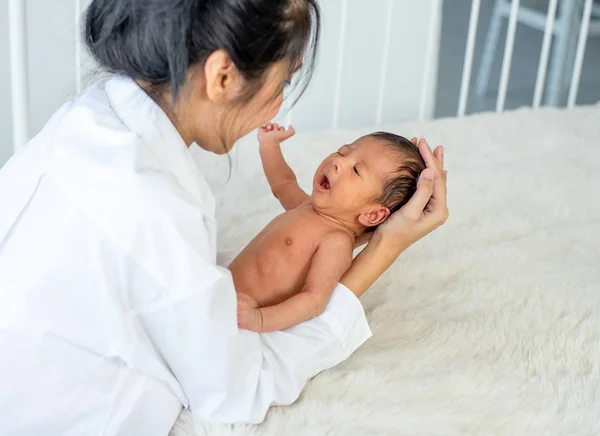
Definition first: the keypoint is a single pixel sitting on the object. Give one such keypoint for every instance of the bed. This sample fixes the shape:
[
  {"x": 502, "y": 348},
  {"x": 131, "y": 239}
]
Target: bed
[{"x": 491, "y": 325}]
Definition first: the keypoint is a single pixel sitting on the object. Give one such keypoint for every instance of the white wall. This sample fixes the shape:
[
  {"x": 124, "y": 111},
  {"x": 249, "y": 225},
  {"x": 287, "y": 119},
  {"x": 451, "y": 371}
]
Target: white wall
[
  {"x": 50, "y": 59},
  {"x": 354, "y": 64},
  {"x": 354, "y": 83},
  {"x": 5, "y": 119}
]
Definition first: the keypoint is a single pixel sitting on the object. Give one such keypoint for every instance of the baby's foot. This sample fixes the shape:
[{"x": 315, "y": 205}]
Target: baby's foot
[{"x": 249, "y": 315}]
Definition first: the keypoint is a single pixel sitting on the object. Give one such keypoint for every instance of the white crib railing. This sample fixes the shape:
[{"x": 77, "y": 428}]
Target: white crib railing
[
  {"x": 508, "y": 50},
  {"x": 18, "y": 60},
  {"x": 18, "y": 71}
]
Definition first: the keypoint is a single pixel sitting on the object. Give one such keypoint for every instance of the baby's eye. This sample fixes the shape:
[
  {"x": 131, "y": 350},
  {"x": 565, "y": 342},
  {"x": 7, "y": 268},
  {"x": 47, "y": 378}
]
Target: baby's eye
[
  {"x": 287, "y": 83},
  {"x": 356, "y": 171}
]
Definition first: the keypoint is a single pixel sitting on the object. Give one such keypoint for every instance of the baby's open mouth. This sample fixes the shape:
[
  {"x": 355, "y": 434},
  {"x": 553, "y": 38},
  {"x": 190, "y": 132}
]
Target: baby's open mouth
[{"x": 325, "y": 183}]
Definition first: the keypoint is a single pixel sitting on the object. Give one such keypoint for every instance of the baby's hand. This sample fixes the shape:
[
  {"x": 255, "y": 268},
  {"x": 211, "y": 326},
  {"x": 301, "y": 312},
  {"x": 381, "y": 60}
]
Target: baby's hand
[
  {"x": 274, "y": 132},
  {"x": 249, "y": 315}
]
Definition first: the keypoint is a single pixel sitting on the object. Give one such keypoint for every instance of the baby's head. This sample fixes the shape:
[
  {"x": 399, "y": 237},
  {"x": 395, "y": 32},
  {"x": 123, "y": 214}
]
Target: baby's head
[{"x": 364, "y": 182}]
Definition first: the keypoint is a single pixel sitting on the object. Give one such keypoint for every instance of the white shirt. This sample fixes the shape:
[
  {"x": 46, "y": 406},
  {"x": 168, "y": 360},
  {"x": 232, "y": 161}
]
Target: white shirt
[{"x": 113, "y": 311}]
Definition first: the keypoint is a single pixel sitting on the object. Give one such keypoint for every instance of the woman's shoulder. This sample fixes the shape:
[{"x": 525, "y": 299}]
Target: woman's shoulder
[
  {"x": 93, "y": 150},
  {"x": 88, "y": 122},
  {"x": 117, "y": 176},
  {"x": 94, "y": 157}
]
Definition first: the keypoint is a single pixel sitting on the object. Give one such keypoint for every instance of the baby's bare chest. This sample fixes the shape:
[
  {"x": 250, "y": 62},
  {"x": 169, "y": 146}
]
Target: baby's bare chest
[
  {"x": 294, "y": 235},
  {"x": 275, "y": 264}
]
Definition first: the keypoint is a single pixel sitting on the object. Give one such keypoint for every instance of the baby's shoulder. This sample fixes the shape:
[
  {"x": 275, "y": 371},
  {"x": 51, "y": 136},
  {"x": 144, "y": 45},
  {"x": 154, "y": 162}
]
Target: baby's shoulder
[{"x": 337, "y": 238}]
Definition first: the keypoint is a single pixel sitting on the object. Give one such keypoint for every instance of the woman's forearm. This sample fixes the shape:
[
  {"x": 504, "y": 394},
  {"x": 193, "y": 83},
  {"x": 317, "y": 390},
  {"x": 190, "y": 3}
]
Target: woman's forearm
[{"x": 371, "y": 263}]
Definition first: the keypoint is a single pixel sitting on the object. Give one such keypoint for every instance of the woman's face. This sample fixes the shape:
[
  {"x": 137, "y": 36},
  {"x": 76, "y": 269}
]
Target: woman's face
[
  {"x": 219, "y": 115},
  {"x": 262, "y": 108}
]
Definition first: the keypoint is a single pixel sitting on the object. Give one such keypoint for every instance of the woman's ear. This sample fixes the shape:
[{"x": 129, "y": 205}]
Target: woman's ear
[
  {"x": 374, "y": 217},
  {"x": 223, "y": 80}
]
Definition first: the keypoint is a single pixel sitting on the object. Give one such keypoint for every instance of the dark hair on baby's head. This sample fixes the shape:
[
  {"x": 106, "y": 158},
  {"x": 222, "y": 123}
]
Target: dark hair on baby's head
[
  {"x": 156, "y": 41},
  {"x": 402, "y": 184}
]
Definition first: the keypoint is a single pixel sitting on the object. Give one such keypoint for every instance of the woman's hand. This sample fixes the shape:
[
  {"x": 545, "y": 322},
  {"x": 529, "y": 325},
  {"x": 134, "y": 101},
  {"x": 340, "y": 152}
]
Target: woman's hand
[{"x": 427, "y": 209}]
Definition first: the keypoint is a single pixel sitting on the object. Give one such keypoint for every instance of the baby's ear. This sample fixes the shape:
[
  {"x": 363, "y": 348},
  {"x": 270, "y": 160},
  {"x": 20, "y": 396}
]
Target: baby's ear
[{"x": 374, "y": 217}]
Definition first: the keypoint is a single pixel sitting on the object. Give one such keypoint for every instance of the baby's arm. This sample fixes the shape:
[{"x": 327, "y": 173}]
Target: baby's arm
[
  {"x": 280, "y": 176},
  {"x": 331, "y": 260}
]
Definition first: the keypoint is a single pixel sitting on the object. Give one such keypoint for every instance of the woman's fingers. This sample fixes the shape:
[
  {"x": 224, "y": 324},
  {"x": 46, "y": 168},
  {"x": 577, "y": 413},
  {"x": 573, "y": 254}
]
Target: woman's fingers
[
  {"x": 439, "y": 184},
  {"x": 425, "y": 185},
  {"x": 427, "y": 154},
  {"x": 439, "y": 155}
]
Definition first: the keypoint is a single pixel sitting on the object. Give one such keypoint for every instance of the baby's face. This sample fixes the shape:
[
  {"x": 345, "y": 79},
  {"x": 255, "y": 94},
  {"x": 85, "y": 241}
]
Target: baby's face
[{"x": 350, "y": 182}]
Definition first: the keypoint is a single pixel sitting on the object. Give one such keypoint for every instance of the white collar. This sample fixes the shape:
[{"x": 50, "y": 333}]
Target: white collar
[{"x": 146, "y": 119}]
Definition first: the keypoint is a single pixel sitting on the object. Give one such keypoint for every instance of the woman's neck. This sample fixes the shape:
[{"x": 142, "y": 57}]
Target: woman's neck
[
  {"x": 173, "y": 110},
  {"x": 193, "y": 118}
]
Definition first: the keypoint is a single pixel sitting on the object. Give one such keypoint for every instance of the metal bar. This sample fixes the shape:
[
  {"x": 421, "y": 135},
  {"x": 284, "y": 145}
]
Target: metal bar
[
  {"x": 468, "y": 62},
  {"x": 508, "y": 50},
  {"x": 78, "y": 45},
  {"x": 433, "y": 26},
  {"x": 531, "y": 18},
  {"x": 583, "y": 34},
  {"x": 543, "y": 65},
  {"x": 17, "y": 24},
  {"x": 384, "y": 61},
  {"x": 490, "y": 47},
  {"x": 340, "y": 64}
]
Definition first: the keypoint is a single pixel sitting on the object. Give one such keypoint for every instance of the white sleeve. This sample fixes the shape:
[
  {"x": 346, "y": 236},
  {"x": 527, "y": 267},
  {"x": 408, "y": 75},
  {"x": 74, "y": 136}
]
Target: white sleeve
[{"x": 231, "y": 375}]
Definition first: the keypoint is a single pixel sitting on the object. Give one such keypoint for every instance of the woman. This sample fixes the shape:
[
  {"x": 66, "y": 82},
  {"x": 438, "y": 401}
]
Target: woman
[{"x": 114, "y": 312}]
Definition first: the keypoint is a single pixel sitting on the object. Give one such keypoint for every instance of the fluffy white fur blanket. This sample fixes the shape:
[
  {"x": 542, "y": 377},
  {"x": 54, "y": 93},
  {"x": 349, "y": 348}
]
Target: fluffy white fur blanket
[{"x": 489, "y": 326}]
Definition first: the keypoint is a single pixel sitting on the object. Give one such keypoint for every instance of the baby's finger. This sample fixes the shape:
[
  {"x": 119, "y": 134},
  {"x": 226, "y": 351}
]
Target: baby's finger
[
  {"x": 287, "y": 133},
  {"x": 414, "y": 140}
]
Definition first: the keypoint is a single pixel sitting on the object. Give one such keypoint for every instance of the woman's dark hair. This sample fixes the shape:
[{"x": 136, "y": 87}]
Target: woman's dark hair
[
  {"x": 401, "y": 186},
  {"x": 156, "y": 41}
]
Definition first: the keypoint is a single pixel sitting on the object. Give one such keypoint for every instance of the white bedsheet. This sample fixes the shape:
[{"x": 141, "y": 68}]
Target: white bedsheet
[{"x": 491, "y": 325}]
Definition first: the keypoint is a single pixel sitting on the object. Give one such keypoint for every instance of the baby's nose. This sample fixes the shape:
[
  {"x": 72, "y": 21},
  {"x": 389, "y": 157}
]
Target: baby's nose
[{"x": 336, "y": 162}]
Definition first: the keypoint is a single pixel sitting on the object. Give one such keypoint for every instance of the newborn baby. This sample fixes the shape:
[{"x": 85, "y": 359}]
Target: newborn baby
[{"x": 287, "y": 273}]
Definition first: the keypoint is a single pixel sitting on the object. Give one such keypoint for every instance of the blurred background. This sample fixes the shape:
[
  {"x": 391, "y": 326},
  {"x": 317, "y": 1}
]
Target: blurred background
[{"x": 381, "y": 61}]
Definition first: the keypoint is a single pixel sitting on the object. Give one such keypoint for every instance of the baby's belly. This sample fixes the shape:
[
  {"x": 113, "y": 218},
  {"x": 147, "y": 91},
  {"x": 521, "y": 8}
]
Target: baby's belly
[{"x": 271, "y": 271}]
